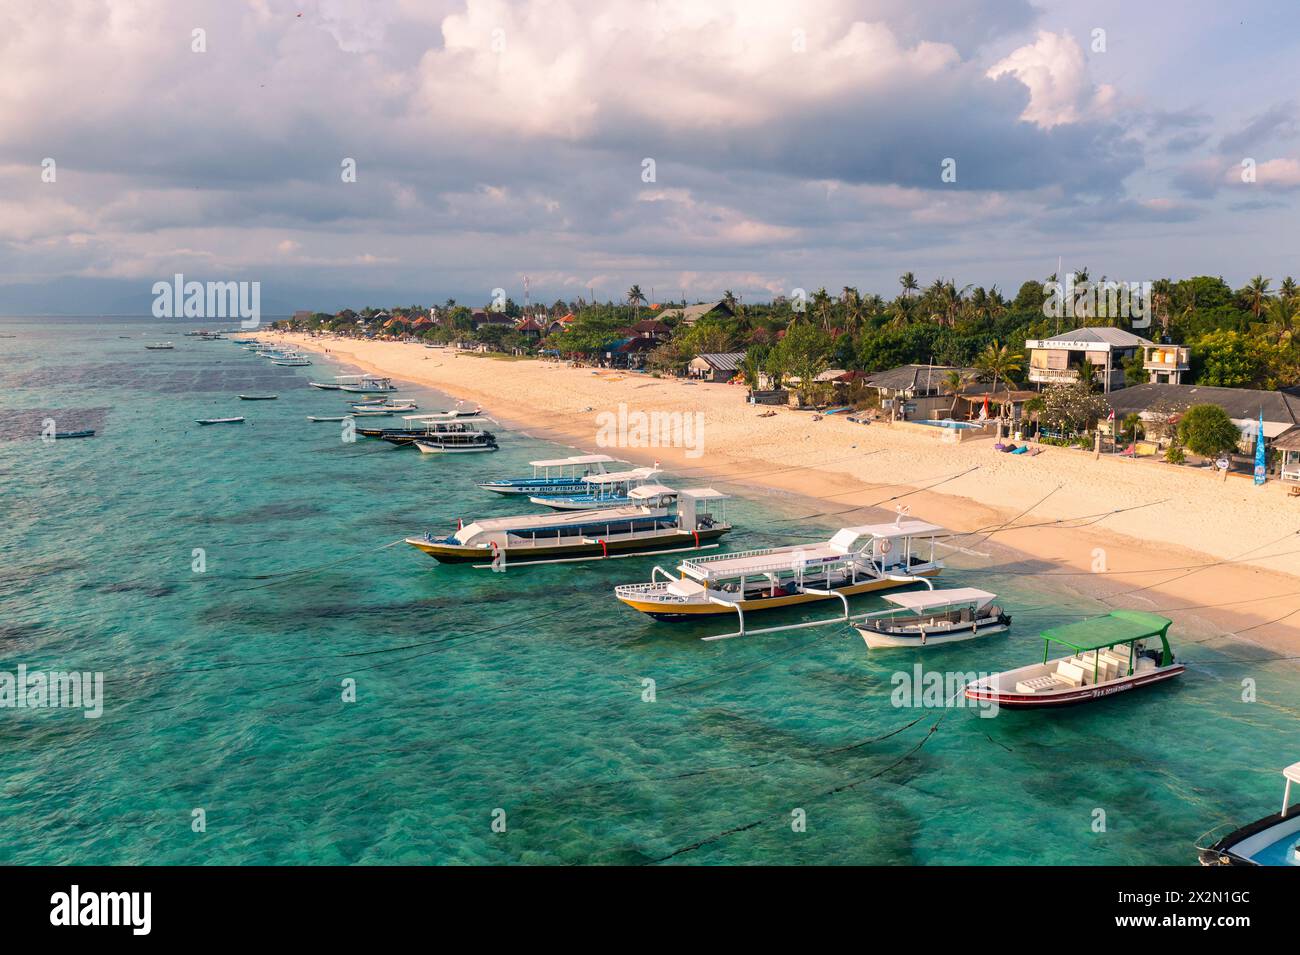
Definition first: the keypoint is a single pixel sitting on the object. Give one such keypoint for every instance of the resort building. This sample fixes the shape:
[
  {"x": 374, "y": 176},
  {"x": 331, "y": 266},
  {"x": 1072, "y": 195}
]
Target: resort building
[
  {"x": 1166, "y": 364},
  {"x": 722, "y": 367},
  {"x": 1281, "y": 410},
  {"x": 1057, "y": 360},
  {"x": 916, "y": 391},
  {"x": 690, "y": 314}
]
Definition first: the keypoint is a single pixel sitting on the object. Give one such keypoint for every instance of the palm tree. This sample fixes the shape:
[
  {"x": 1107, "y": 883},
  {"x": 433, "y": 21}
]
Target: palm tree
[
  {"x": 1288, "y": 288},
  {"x": 998, "y": 361},
  {"x": 1255, "y": 292},
  {"x": 953, "y": 382},
  {"x": 821, "y": 306},
  {"x": 635, "y": 298},
  {"x": 1282, "y": 313},
  {"x": 909, "y": 283}
]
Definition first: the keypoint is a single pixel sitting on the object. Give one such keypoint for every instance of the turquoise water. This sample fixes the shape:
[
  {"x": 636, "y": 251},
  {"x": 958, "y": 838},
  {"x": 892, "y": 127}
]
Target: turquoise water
[{"x": 519, "y": 692}]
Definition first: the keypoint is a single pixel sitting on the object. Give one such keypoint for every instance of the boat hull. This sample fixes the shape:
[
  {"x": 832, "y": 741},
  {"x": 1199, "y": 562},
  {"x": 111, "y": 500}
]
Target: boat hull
[
  {"x": 682, "y": 611},
  {"x": 429, "y": 448},
  {"x": 1071, "y": 697},
  {"x": 881, "y": 640},
  {"x": 1266, "y": 842},
  {"x": 534, "y": 489},
  {"x": 322, "y": 386},
  {"x": 458, "y": 554}
]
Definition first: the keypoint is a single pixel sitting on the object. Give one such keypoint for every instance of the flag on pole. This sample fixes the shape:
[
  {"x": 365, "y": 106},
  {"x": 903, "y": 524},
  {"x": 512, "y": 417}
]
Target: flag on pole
[
  {"x": 984, "y": 412},
  {"x": 1260, "y": 463}
]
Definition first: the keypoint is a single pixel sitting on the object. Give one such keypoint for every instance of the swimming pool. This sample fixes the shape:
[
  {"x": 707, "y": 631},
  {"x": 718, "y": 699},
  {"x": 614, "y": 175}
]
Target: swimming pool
[{"x": 949, "y": 423}]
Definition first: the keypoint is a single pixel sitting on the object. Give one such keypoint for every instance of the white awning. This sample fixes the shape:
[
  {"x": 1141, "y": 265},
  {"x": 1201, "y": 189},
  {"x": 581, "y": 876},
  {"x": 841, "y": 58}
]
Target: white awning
[
  {"x": 646, "y": 491},
  {"x": 891, "y": 530},
  {"x": 576, "y": 461},
  {"x": 617, "y": 477},
  {"x": 704, "y": 493},
  {"x": 930, "y": 599}
]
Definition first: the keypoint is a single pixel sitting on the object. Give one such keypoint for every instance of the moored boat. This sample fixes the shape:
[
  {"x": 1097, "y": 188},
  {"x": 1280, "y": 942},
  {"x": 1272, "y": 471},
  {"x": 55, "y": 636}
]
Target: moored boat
[
  {"x": 219, "y": 420},
  {"x": 693, "y": 521},
  {"x": 456, "y": 442},
  {"x": 855, "y": 560},
  {"x": 928, "y": 617},
  {"x": 362, "y": 384},
  {"x": 602, "y": 490},
  {"x": 416, "y": 427},
  {"x": 293, "y": 361},
  {"x": 325, "y": 385},
  {"x": 258, "y": 397},
  {"x": 160, "y": 346},
  {"x": 1272, "y": 841},
  {"x": 87, "y": 433},
  {"x": 557, "y": 476},
  {"x": 1119, "y": 661}
]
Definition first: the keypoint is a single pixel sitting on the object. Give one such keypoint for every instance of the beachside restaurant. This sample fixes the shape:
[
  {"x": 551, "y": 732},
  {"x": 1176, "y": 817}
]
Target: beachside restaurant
[
  {"x": 1002, "y": 402},
  {"x": 1287, "y": 445}
]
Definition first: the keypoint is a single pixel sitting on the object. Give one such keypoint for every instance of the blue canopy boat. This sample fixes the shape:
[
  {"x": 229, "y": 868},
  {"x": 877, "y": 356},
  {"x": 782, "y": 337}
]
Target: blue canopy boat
[{"x": 554, "y": 477}]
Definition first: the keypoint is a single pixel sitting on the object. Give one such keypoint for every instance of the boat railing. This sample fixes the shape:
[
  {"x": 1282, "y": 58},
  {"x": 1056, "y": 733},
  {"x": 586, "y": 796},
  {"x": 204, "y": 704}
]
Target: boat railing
[
  {"x": 659, "y": 589},
  {"x": 787, "y": 562}
]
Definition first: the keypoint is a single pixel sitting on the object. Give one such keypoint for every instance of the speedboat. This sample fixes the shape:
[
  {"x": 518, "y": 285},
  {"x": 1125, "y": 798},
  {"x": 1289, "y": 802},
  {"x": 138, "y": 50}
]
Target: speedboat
[
  {"x": 1273, "y": 840},
  {"x": 926, "y": 617},
  {"x": 1108, "y": 655},
  {"x": 654, "y": 524}
]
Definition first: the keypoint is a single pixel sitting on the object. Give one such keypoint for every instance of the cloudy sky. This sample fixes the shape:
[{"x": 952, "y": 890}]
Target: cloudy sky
[{"x": 793, "y": 145}]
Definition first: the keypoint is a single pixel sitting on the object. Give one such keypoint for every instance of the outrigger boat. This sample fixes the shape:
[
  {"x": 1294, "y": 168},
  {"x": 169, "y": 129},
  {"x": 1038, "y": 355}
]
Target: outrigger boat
[
  {"x": 361, "y": 384},
  {"x": 556, "y": 476},
  {"x": 88, "y": 433},
  {"x": 342, "y": 417},
  {"x": 654, "y": 525},
  {"x": 293, "y": 361},
  {"x": 418, "y": 427},
  {"x": 456, "y": 442},
  {"x": 1273, "y": 840},
  {"x": 927, "y": 617},
  {"x": 602, "y": 490},
  {"x": 325, "y": 385},
  {"x": 1119, "y": 661},
  {"x": 161, "y": 346},
  {"x": 856, "y": 560},
  {"x": 258, "y": 397},
  {"x": 219, "y": 420},
  {"x": 384, "y": 406}
]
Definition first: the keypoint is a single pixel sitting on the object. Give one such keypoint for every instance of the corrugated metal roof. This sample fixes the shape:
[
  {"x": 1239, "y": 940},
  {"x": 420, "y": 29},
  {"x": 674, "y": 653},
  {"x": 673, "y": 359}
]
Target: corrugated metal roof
[
  {"x": 1103, "y": 334},
  {"x": 726, "y": 361}
]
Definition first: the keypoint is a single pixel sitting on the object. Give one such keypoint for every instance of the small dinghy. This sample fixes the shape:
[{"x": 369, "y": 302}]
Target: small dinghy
[
  {"x": 60, "y": 435},
  {"x": 342, "y": 417},
  {"x": 161, "y": 346},
  {"x": 219, "y": 420},
  {"x": 926, "y": 617},
  {"x": 258, "y": 397}
]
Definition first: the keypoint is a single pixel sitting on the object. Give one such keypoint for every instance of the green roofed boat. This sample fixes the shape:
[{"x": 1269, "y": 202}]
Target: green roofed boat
[{"x": 1124, "y": 650}]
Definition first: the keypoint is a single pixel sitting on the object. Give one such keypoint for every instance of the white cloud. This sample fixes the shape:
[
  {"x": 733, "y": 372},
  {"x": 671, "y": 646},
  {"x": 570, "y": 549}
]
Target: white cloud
[{"x": 1055, "y": 72}]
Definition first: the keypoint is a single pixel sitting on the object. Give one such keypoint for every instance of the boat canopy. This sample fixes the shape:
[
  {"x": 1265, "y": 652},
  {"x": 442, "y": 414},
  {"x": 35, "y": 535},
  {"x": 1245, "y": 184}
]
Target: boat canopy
[
  {"x": 846, "y": 538},
  {"x": 649, "y": 491},
  {"x": 575, "y": 461},
  {"x": 618, "y": 477},
  {"x": 1116, "y": 627},
  {"x": 922, "y": 600},
  {"x": 705, "y": 493}
]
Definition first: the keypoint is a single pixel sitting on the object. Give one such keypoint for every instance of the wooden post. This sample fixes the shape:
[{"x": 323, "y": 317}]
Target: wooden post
[{"x": 1096, "y": 446}]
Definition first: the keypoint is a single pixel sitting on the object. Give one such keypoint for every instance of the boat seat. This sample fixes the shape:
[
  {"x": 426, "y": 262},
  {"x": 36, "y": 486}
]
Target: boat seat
[
  {"x": 1039, "y": 683},
  {"x": 1071, "y": 673},
  {"x": 1144, "y": 664},
  {"x": 1120, "y": 662}
]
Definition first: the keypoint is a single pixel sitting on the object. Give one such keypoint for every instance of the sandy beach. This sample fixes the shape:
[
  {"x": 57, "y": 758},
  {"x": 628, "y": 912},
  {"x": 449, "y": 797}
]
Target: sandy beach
[{"x": 1131, "y": 533}]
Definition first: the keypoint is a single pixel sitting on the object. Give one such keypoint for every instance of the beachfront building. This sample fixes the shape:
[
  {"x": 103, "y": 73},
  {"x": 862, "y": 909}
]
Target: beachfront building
[
  {"x": 1164, "y": 404},
  {"x": 690, "y": 314},
  {"x": 720, "y": 367},
  {"x": 1057, "y": 360},
  {"x": 916, "y": 391},
  {"x": 1165, "y": 364}
]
